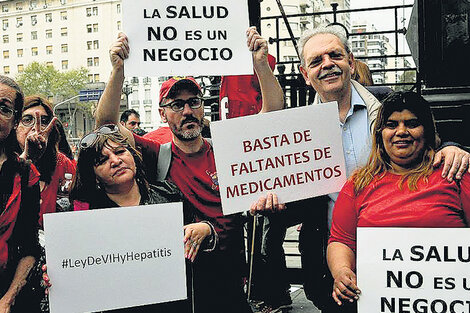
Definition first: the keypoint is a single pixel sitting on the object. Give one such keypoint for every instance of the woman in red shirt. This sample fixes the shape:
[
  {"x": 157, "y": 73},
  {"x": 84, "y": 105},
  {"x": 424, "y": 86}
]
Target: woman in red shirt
[
  {"x": 399, "y": 187},
  {"x": 39, "y": 144}
]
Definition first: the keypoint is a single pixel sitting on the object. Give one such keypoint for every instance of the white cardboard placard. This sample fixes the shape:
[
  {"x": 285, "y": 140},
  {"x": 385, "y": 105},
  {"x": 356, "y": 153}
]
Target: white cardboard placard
[
  {"x": 413, "y": 269},
  {"x": 114, "y": 258},
  {"x": 295, "y": 153},
  {"x": 181, "y": 37}
]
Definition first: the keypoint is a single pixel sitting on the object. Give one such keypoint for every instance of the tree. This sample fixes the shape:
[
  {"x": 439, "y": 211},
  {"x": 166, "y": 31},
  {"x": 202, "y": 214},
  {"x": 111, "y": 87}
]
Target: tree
[
  {"x": 39, "y": 78},
  {"x": 407, "y": 77}
]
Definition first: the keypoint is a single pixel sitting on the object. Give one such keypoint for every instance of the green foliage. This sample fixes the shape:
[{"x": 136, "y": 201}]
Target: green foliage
[
  {"x": 39, "y": 78},
  {"x": 406, "y": 77}
]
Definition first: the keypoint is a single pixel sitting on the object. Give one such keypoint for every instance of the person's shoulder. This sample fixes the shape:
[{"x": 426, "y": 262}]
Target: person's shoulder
[{"x": 148, "y": 144}]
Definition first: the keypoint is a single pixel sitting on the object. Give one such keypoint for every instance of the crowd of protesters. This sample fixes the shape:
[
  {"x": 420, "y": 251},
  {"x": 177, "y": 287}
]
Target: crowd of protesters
[{"x": 393, "y": 153}]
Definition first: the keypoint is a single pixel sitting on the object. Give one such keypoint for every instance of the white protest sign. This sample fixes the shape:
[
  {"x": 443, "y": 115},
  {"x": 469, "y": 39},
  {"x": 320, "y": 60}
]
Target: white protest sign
[
  {"x": 420, "y": 270},
  {"x": 295, "y": 153},
  {"x": 114, "y": 258},
  {"x": 181, "y": 37}
]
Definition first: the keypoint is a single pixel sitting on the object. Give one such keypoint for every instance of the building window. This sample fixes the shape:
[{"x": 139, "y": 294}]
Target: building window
[
  {"x": 95, "y": 27},
  {"x": 64, "y": 48},
  {"x": 48, "y": 33},
  {"x": 49, "y": 63},
  {"x": 48, "y": 17},
  {"x": 48, "y": 49},
  {"x": 119, "y": 25},
  {"x": 33, "y": 4},
  {"x": 90, "y": 78},
  {"x": 96, "y": 61},
  {"x": 63, "y": 15},
  {"x": 96, "y": 44},
  {"x": 96, "y": 77},
  {"x": 63, "y": 2},
  {"x": 5, "y": 24},
  {"x": 118, "y": 8},
  {"x": 89, "y": 45},
  {"x": 19, "y": 37},
  {"x": 89, "y": 29},
  {"x": 34, "y": 19},
  {"x": 6, "y": 54},
  {"x": 20, "y": 68},
  {"x": 63, "y": 32},
  {"x": 89, "y": 61},
  {"x": 19, "y": 6},
  {"x": 34, "y": 51},
  {"x": 34, "y": 35},
  {"x": 19, "y": 21},
  {"x": 6, "y": 70},
  {"x": 19, "y": 53},
  {"x": 65, "y": 64},
  {"x": 148, "y": 116},
  {"x": 92, "y": 11},
  {"x": 6, "y": 39},
  {"x": 5, "y": 8}
]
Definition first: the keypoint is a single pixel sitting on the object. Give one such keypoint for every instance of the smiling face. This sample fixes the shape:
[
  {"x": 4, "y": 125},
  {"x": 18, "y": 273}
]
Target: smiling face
[
  {"x": 328, "y": 67},
  {"x": 7, "y": 98},
  {"x": 115, "y": 166},
  {"x": 403, "y": 139},
  {"x": 186, "y": 125}
]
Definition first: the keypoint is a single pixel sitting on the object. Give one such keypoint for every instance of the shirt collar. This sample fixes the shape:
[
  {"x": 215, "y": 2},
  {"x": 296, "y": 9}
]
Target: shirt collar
[{"x": 356, "y": 101}]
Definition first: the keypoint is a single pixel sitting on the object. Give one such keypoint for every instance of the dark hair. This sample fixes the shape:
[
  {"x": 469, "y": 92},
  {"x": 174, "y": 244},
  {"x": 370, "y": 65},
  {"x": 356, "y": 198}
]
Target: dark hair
[
  {"x": 125, "y": 115},
  {"x": 10, "y": 143},
  {"x": 63, "y": 144},
  {"x": 84, "y": 186},
  {"x": 379, "y": 161},
  {"x": 47, "y": 163}
]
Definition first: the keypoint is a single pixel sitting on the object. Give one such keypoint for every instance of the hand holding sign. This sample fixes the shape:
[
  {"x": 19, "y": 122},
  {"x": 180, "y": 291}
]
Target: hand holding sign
[
  {"x": 267, "y": 203},
  {"x": 258, "y": 46},
  {"x": 119, "y": 51}
]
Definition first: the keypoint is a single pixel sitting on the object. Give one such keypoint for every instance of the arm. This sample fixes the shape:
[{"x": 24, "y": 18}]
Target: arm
[
  {"x": 341, "y": 261},
  {"x": 271, "y": 91},
  {"x": 456, "y": 161},
  {"x": 19, "y": 280},
  {"x": 107, "y": 111}
]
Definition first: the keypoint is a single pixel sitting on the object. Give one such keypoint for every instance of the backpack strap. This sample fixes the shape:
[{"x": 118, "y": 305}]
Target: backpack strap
[{"x": 164, "y": 159}]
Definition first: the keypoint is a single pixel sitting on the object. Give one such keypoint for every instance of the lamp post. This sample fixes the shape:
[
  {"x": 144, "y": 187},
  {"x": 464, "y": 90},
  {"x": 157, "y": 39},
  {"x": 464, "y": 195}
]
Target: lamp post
[{"x": 127, "y": 90}]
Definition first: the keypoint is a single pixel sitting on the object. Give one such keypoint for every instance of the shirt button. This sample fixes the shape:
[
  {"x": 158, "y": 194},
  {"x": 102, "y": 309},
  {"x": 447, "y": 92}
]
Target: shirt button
[{"x": 345, "y": 128}]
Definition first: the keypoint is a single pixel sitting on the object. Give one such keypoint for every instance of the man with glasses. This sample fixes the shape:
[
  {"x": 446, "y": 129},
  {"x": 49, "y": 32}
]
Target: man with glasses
[{"x": 191, "y": 166}]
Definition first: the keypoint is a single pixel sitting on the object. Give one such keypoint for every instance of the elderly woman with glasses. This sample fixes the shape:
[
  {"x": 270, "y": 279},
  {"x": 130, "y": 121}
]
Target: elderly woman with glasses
[
  {"x": 38, "y": 138},
  {"x": 110, "y": 174},
  {"x": 19, "y": 205}
]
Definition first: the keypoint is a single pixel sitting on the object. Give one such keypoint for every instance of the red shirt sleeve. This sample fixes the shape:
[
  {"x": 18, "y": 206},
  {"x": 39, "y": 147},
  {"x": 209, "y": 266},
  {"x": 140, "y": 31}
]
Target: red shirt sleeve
[
  {"x": 465, "y": 197},
  {"x": 343, "y": 228}
]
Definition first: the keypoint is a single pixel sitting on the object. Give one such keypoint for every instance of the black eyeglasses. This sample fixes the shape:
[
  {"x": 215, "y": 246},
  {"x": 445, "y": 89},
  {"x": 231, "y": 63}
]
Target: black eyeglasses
[
  {"x": 178, "y": 104},
  {"x": 90, "y": 139},
  {"x": 6, "y": 111},
  {"x": 28, "y": 120}
]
